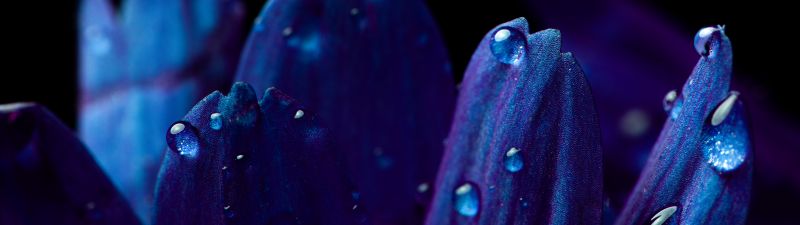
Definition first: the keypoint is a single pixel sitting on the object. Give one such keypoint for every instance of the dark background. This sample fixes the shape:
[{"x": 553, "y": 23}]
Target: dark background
[{"x": 40, "y": 63}]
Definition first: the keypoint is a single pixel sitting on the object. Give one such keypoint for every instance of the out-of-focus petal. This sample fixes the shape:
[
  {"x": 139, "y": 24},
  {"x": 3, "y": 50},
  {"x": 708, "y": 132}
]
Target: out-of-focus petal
[
  {"x": 378, "y": 73},
  {"x": 143, "y": 70},
  {"x": 48, "y": 177}
]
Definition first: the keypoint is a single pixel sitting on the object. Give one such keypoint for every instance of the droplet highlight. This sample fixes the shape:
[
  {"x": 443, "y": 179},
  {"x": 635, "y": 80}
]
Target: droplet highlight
[
  {"x": 513, "y": 160},
  {"x": 724, "y": 109},
  {"x": 466, "y": 200},
  {"x": 182, "y": 138},
  {"x": 669, "y": 100},
  {"x": 299, "y": 114},
  {"x": 216, "y": 121},
  {"x": 508, "y": 45},
  {"x": 662, "y": 216}
]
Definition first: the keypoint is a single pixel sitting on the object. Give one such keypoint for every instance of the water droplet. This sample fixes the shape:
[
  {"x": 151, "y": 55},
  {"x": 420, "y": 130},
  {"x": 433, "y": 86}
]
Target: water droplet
[
  {"x": 299, "y": 114},
  {"x": 513, "y": 160},
  {"x": 239, "y": 157},
  {"x": 287, "y": 31},
  {"x": 216, "y": 121},
  {"x": 669, "y": 100},
  {"x": 90, "y": 205},
  {"x": 466, "y": 200},
  {"x": 634, "y": 123},
  {"x": 702, "y": 39},
  {"x": 355, "y": 206},
  {"x": 423, "y": 187},
  {"x": 508, "y": 45},
  {"x": 354, "y": 11},
  {"x": 727, "y": 144},
  {"x": 182, "y": 138},
  {"x": 226, "y": 207},
  {"x": 224, "y": 167},
  {"x": 662, "y": 216}
]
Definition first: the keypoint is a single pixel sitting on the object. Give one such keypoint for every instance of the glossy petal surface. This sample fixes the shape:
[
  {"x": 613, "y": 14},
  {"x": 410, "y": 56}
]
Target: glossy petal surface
[
  {"x": 48, "y": 177},
  {"x": 681, "y": 169},
  {"x": 539, "y": 109},
  {"x": 144, "y": 69},
  {"x": 378, "y": 73},
  {"x": 265, "y": 165}
]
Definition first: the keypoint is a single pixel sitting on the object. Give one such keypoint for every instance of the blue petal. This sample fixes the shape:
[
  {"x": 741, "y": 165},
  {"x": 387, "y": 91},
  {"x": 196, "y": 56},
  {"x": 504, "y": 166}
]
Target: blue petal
[
  {"x": 48, "y": 177},
  {"x": 682, "y": 170},
  {"x": 144, "y": 71},
  {"x": 378, "y": 73},
  {"x": 269, "y": 162},
  {"x": 539, "y": 109}
]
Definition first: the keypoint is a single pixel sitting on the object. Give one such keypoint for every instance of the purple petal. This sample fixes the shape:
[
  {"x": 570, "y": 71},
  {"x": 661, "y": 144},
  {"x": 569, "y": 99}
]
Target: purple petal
[
  {"x": 378, "y": 73},
  {"x": 233, "y": 160},
  {"x": 525, "y": 136},
  {"x": 48, "y": 177},
  {"x": 144, "y": 71},
  {"x": 702, "y": 168}
]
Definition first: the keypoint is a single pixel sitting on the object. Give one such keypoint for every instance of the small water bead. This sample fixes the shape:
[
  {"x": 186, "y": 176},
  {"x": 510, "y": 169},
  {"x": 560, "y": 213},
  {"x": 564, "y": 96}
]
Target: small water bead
[
  {"x": 513, "y": 160},
  {"x": 182, "y": 138},
  {"x": 662, "y": 216},
  {"x": 466, "y": 200},
  {"x": 239, "y": 157},
  {"x": 287, "y": 31},
  {"x": 508, "y": 45},
  {"x": 423, "y": 187},
  {"x": 216, "y": 121},
  {"x": 669, "y": 100},
  {"x": 299, "y": 114}
]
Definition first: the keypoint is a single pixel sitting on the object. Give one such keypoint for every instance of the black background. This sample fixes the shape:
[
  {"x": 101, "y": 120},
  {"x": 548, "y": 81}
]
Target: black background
[{"x": 40, "y": 46}]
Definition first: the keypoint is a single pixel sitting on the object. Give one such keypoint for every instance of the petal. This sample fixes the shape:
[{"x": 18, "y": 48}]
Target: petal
[
  {"x": 378, "y": 73},
  {"x": 525, "y": 135},
  {"x": 683, "y": 170},
  {"x": 142, "y": 72},
  {"x": 47, "y": 175},
  {"x": 240, "y": 161}
]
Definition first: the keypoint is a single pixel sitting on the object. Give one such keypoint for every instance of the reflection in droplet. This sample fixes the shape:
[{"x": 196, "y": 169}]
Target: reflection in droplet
[
  {"x": 663, "y": 215},
  {"x": 466, "y": 200},
  {"x": 513, "y": 160},
  {"x": 508, "y": 45},
  {"x": 182, "y": 138},
  {"x": 726, "y": 145}
]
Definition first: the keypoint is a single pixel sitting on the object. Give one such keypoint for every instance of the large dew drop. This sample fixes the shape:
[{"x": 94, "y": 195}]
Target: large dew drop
[
  {"x": 508, "y": 45},
  {"x": 182, "y": 138},
  {"x": 466, "y": 200},
  {"x": 726, "y": 145}
]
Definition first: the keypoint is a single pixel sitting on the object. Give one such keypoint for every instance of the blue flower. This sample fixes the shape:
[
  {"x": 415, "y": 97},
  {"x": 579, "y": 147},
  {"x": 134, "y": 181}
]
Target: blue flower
[{"x": 352, "y": 126}]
